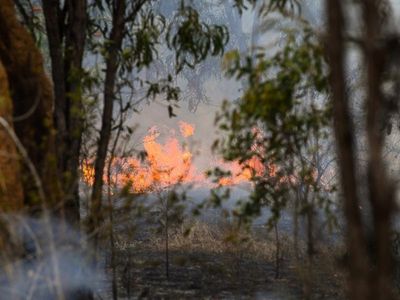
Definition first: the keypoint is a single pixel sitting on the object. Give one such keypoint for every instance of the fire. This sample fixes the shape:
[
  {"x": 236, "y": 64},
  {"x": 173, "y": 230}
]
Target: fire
[
  {"x": 166, "y": 164},
  {"x": 240, "y": 172},
  {"x": 186, "y": 129},
  {"x": 171, "y": 162},
  {"x": 87, "y": 173}
]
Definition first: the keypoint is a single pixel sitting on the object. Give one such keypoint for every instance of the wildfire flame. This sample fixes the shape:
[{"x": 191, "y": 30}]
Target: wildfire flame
[
  {"x": 169, "y": 163},
  {"x": 240, "y": 172},
  {"x": 186, "y": 129},
  {"x": 165, "y": 164}
]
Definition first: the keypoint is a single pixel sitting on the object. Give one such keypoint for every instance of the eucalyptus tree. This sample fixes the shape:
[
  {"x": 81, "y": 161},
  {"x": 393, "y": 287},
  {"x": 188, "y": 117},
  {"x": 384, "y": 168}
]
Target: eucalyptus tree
[
  {"x": 123, "y": 39},
  {"x": 51, "y": 117}
]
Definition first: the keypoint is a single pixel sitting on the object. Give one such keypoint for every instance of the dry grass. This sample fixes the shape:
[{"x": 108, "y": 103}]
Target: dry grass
[
  {"x": 221, "y": 238},
  {"x": 323, "y": 277},
  {"x": 210, "y": 260}
]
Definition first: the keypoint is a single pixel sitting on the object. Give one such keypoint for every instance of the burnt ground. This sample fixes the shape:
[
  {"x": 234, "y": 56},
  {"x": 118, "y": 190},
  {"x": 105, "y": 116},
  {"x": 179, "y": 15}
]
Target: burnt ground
[
  {"x": 208, "y": 263},
  {"x": 201, "y": 275}
]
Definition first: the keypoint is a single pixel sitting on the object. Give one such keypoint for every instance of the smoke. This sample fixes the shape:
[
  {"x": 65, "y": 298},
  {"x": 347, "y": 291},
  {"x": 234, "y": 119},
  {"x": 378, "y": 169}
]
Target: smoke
[{"x": 53, "y": 261}]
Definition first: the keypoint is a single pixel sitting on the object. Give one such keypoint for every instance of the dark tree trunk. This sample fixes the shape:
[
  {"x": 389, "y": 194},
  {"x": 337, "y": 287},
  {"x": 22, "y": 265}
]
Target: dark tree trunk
[
  {"x": 66, "y": 31},
  {"x": 52, "y": 14},
  {"x": 116, "y": 37},
  {"x": 112, "y": 65},
  {"x": 381, "y": 194},
  {"x": 343, "y": 128},
  {"x": 75, "y": 38}
]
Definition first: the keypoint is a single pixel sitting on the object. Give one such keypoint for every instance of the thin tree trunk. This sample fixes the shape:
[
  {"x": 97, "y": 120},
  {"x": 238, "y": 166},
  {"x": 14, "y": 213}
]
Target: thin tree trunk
[
  {"x": 277, "y": 251},
  {"x": 111, "y": 208},
  {"x": 310, "y": 251},
  {"x": 166, "y": 239},
  {"x": 310, "y": 239},
  {"x": 296, "y": 225},
  {"x": 116, "y": 38},
  {"x": 343, "y": 127},
  {"x": 380, "y": 188},
  {"x": 114, "y": 284},
  {"x": 310, "y": 231}
]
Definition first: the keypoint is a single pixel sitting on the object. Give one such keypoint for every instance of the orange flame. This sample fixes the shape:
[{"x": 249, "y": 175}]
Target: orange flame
[
  {"x": 87, "y": 172},
  {"x": 165, "y": 164},
  {"x": 243, "y": 172},
  {"x": 186, "y": 129},
  {"x": 169, "y": 163}
]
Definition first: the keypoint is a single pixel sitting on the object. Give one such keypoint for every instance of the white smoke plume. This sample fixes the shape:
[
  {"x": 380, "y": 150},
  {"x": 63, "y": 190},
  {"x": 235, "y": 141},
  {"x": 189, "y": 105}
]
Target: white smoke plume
[{"x": 53, "y": 262}]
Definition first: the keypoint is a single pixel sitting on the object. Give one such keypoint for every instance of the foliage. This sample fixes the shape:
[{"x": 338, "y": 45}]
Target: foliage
[
  {"x": 276, "y": 118},
  {"x": 146, "y": 30},
  {"x": 193, "y": 40}
]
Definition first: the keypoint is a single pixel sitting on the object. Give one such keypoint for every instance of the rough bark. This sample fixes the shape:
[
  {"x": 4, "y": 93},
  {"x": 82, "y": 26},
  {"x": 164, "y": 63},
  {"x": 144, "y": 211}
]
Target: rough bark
[
  {"x": 74, "y": 50},
  {"x": 66, "y": 30},
  {"x": 33, "y": 101},
  {"x": 11, "y": 195},
  {"x": 356, "y": 242},
  {"x": 52, "y": 13},
  {"x": 32, "y": 97}
]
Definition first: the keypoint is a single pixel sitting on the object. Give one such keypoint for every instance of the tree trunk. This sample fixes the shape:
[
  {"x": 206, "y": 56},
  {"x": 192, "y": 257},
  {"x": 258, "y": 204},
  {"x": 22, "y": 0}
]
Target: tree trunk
[
  {"x": 381, "y": 193},
  {"x": 116, "y": 38},
  {"x": 74, "y": 47},
  {"x": 33, "y": 102},
  {"x": 296, "y": 224},
  {"x": 11, "y": 195},
  {"x": 356, "y": 242},
  {"x": 68, "y": 26},
  {"x": 277, "y": 250}
]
